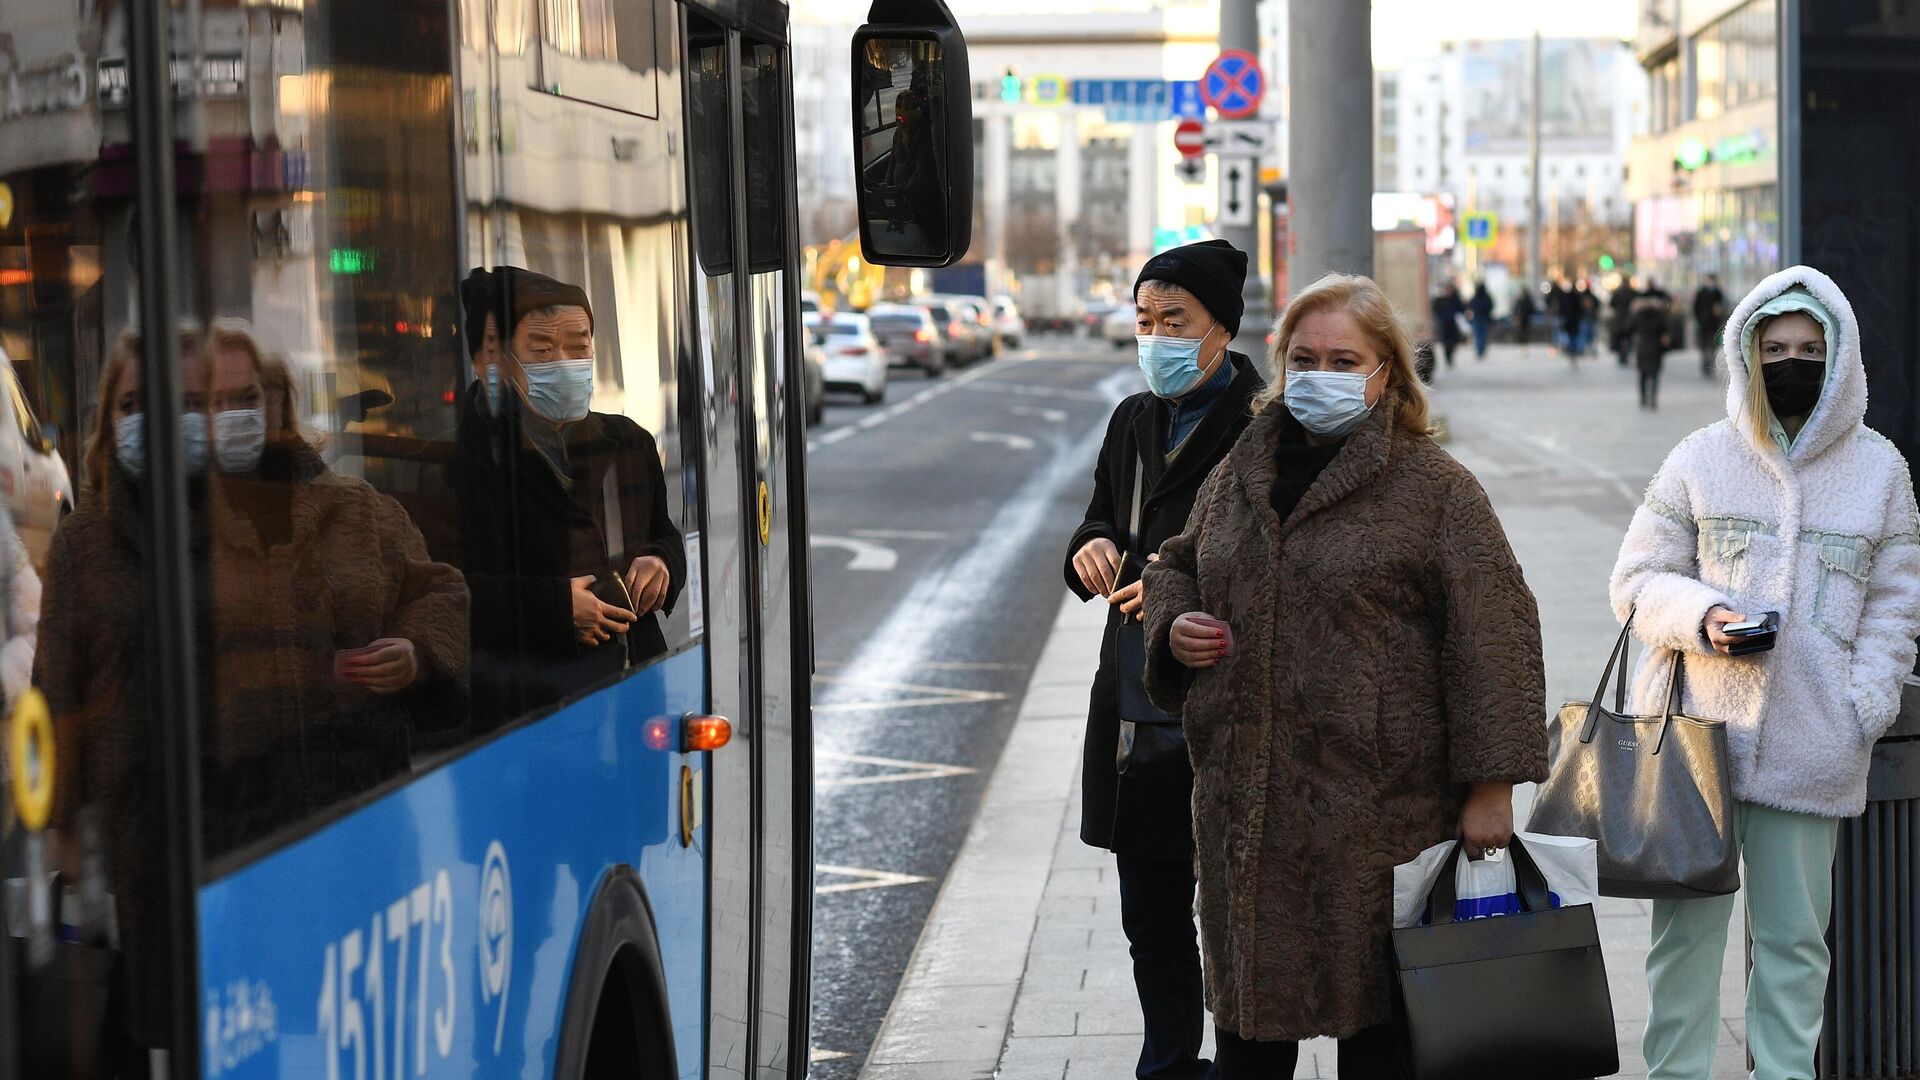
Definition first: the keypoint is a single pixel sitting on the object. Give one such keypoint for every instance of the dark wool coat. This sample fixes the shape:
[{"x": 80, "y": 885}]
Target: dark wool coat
[
  {"x": 1387, "y": 654},
  {"x": 1126, "y": 814},
  {"x": 1650, "y": 322},
  {"x": 525, "y": 533}
]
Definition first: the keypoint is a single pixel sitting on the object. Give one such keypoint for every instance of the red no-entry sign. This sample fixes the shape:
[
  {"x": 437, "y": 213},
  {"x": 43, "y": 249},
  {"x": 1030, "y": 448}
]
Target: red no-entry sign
[{"x": 1190, "y": 138}]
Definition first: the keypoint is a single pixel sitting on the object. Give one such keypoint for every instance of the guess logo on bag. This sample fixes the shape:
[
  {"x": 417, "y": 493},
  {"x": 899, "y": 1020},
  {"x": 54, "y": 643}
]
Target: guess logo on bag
[{"x": 1627, "y": 744}]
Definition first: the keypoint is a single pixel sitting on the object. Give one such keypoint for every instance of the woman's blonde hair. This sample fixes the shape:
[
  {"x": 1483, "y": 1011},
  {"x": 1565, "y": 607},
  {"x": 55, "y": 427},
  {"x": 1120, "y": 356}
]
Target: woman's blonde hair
[
  {"x": 1362, "y": 298},
  {"x": 128, "y": 350}
]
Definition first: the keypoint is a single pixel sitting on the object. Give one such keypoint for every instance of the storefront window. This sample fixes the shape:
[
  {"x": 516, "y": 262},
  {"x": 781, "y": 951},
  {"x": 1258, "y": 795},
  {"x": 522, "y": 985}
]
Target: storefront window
[{"x": 1734, "y": 60}]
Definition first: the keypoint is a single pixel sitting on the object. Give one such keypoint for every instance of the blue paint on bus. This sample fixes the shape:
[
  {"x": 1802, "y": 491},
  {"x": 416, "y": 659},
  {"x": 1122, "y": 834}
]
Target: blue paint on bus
[{"x": 484, "y": 868}]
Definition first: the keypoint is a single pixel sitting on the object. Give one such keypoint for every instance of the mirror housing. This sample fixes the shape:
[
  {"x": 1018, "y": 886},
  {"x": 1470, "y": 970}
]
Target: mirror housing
[{"x": 912, "y": 135}]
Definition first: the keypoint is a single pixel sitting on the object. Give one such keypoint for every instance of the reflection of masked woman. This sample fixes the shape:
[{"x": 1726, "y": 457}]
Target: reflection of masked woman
[{"x": 329, "y": 622}]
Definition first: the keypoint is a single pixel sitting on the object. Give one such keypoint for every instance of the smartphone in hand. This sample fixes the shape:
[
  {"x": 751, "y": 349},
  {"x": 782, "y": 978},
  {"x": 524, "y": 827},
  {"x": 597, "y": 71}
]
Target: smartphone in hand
[{"x": 1753, "y": 635}]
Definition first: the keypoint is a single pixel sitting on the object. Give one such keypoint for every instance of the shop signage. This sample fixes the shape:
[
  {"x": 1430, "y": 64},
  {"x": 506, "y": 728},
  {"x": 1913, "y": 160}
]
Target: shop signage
[
  {"x": 58, "y": 87},
  {"x": 221, "y": 75},
  {"x": 1741, "y": 149}
]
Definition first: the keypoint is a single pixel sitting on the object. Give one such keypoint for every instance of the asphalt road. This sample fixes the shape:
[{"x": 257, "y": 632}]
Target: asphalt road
[{"x": 940, "y": 520}]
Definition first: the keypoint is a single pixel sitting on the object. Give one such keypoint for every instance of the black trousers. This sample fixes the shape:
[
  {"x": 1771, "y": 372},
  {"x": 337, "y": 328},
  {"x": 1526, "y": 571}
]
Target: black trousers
[
  {"x": 1649, "y": 389},
  {"x": 1156, "y": 911},
  {"x": 1375, "y": 1053}
]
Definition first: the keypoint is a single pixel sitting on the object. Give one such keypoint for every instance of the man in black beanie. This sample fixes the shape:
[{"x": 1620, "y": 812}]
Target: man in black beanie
[
  {"x": 1137, "y": 787},
  {"x": 565, "y": 533}
]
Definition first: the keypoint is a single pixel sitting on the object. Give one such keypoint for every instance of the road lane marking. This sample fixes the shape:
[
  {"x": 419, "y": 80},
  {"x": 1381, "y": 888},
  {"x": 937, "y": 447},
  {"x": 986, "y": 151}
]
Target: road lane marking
[
  {"x": 1051, "y": 416},
  {"x": 1060, "y": 393},
  {"x": 1011, "y": 442},
  {"x": 866, "y": 555},
  {"x": 837, "y": 435},
  {"x": 902, "y": 771},
  {"x": 927, "y": 695},
  {"x": 863, "y": 879},
  {"x": 900, "y": 534}
]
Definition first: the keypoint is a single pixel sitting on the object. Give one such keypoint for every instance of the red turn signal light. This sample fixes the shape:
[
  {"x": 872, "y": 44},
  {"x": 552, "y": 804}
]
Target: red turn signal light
[{"x": 705, "y": 733}]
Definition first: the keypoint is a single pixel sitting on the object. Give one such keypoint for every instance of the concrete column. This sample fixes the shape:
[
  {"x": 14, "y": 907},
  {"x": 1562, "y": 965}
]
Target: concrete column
[
  {"x": 1143, "y": 192},
  {"x": 1330, "y": 138},
  {"x": 998, "y": 156},
  {"x": 1066, "y": 208},
  {"x": 1240, "y": 29}
]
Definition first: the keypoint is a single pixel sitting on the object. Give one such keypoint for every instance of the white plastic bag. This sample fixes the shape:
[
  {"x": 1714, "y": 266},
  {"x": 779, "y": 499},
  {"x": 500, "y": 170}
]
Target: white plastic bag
[{"x": 1486, "y": 887}]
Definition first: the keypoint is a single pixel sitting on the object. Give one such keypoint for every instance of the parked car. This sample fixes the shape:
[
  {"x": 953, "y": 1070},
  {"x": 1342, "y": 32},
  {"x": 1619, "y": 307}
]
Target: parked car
[
  {"x": 965, "y": 342},
  {"x": 983, "y": 317},
  {"x": 910, "y": 335},
  {"x": 33, "y": 476},
  {"x": 1008, "y": 323},
  {"x": 1120, "y": 327},
  {"x": 814, "y": 363},
  {"x": 855, "y": 359},
  {"x": 1093, "y": 317}
]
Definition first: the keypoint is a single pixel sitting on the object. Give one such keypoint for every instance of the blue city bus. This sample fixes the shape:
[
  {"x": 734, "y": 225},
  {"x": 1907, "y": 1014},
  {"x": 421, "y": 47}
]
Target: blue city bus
[{"x": 422, "y": 672}]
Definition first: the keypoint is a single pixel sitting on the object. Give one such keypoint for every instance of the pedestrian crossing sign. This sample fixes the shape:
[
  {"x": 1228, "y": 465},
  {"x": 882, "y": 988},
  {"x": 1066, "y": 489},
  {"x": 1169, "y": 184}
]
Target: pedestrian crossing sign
[{"x": 1481, "y": 229}]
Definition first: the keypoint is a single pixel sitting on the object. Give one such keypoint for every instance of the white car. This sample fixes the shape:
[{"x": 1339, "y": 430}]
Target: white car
[
  {"x": 1007, "y": 322},
  {"x": 1121, "y": 326},
  {"x": 33, "y": 476},
  {"x": 855, "y": 358}
]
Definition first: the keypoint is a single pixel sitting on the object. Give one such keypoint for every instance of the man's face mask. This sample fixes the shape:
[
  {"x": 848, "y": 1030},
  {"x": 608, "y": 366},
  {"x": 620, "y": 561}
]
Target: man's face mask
[
  {"x": 1171, "y": 364},
  {"x": 560, "y": 390}
]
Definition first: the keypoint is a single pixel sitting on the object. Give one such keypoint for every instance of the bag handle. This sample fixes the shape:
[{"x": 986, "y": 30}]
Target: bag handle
[
  {"x": 1616, "y": 658},
  {"x": 1133, "y": 518},
  {"x": 1529, "y": 883}
]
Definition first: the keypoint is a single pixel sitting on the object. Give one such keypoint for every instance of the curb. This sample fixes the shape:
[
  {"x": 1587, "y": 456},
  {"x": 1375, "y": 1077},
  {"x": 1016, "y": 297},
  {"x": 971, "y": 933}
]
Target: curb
[{"x": 952, "y": 1013}]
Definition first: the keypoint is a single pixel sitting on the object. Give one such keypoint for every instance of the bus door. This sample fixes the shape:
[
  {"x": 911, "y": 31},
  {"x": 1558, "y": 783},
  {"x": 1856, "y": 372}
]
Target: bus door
[{"x": 742, "y": 203}]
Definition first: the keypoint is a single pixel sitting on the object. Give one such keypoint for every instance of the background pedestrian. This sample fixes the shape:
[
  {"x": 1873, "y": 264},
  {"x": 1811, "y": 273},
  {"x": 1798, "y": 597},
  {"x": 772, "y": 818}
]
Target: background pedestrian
[
  {"x": 1160, "y": 445},
  {"x": 1524, "y": 310},
  {"x": 1790, "y": 505},
  {"x": 1379, "y": 688},
  {"x": 1480, "y": 314},
  {"x": 1709, "y": 313},
  {"x": 1448, "y": 310},
  {"x": 1620, "y": 323},
  {"x": 1649, "y": 320}
]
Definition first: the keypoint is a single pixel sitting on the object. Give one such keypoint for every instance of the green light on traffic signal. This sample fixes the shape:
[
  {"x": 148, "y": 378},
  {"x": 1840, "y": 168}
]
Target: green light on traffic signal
[
  {"x": 1010, "y": 88},
  {"x": 1606, "y": 262},
  {"x": 349, "y": 261}
]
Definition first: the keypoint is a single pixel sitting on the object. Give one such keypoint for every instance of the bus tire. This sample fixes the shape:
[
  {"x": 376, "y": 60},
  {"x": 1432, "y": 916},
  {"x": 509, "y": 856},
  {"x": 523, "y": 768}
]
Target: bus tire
[{"x": 616, "y": 1022}]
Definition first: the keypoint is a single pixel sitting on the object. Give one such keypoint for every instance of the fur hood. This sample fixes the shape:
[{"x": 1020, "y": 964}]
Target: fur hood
[{"x": 1843, "y": 402}]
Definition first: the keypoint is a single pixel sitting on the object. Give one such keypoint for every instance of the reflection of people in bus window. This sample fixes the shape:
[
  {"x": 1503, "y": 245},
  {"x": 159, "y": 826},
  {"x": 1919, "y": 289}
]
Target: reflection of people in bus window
[
  {"x": 96, "y": 637},
  {"x": 567, "y": 541},
  {"x": 330, "y": 623}
]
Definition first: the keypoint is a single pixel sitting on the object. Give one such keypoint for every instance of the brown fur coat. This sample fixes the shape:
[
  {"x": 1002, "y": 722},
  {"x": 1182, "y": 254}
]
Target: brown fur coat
[{"x": 1387, "y": 654}]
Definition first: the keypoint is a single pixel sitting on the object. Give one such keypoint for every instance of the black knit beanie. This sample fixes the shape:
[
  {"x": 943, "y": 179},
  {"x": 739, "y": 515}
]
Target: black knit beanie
[
  {"x": 1214, "y": 271},
  {"x": 508, "y": 293}
]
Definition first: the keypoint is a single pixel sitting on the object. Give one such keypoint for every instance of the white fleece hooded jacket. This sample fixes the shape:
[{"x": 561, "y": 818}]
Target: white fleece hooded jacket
[{"x": 1825, "y": 533}]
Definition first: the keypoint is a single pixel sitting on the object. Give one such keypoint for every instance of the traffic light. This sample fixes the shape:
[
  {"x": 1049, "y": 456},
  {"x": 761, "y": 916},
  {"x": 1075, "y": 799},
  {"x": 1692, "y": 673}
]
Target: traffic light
[
  {"x": 1606, "y": 262},
  {"x": 1010, "y": 88}
]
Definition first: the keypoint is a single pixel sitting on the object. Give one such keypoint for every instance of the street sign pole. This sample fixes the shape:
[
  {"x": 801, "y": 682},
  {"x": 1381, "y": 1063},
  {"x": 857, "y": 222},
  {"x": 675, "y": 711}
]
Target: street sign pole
[{"x": 1233, "y": 86}]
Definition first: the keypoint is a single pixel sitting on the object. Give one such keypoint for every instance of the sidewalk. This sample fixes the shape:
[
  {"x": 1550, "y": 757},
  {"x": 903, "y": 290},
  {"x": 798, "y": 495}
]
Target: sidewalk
[{"x": 1022, "y": 971}]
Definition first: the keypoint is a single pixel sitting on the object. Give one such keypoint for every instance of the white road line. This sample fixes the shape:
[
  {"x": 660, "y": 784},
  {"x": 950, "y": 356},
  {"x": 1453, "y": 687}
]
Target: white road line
[
  {"x": 818, "y": 1055},
  {"x": 836, "y": 435},
  {"x": 900, "y": 534},
  {"x": 873, "y": 421},
  {"x": 864, "y": 879},
  {"x": 927, "y": 695},
  {"x": 866, "y": 554},
  {"x": 1012, "y": 442},
  {"x": 1058, "y": 393},
  {"x": 1051, "y": 416},
  {"x": 900, "y": 771}
]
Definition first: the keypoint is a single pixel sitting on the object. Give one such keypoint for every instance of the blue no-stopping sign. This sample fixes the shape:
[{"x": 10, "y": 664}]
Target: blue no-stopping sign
[{"x": 1234, "y": 84}]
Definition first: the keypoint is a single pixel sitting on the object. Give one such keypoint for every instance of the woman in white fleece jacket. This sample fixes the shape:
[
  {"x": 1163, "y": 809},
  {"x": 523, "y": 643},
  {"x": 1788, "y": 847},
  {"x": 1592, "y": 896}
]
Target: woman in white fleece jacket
[{"x": 1791, "y": 504}]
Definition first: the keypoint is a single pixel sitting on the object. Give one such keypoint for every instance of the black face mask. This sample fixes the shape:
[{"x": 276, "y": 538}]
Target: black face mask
[{"x": 1793, "y": 385}]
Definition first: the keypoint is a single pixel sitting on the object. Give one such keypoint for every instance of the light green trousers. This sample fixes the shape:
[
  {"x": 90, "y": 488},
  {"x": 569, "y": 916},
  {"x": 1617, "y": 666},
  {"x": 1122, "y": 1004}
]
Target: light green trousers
[{"x": 1789, "y": 895}]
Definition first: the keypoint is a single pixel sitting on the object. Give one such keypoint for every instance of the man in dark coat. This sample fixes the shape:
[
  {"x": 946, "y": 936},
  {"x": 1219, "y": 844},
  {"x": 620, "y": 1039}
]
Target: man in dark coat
[
  {"x": 1651, "y": 320},
  {"x": 1524, "y": 310},
  {"x": 1448, "y": 309},
  {"x": 1160, "y": 445},
  {"x": 1709, "y": 314},
  {"x": 1620, "y": 326},
  {"x": 1480, "y": 314},
  {"x": 565, "y": 535}
]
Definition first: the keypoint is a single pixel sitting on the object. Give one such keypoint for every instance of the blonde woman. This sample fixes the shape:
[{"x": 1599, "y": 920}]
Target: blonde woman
[
  {"x": 1358, "y": 660},
  {"x": 1790, "y": 505}
]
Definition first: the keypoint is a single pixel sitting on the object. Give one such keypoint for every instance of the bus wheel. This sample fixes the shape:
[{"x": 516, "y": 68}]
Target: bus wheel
[{"x": 616, "y": 1022}]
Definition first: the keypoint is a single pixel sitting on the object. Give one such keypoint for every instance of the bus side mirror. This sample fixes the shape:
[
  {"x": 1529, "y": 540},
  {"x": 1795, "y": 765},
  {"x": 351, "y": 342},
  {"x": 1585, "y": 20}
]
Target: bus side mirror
[{"x": 912, "y": 135}]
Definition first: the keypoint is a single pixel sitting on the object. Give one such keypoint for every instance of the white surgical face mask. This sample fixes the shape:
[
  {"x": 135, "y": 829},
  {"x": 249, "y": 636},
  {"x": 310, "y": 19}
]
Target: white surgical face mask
[
  {"x": 239, "y": 435},
  {"x": 1331, "y": 404},
  {"x": 560, "y": 390},
  {"x": 1171, "y": 364},
  {"x": 130, "y": 444}
]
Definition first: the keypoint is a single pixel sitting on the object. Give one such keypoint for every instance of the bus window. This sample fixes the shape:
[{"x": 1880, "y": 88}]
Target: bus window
[{"x": 600, "y": 51}]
